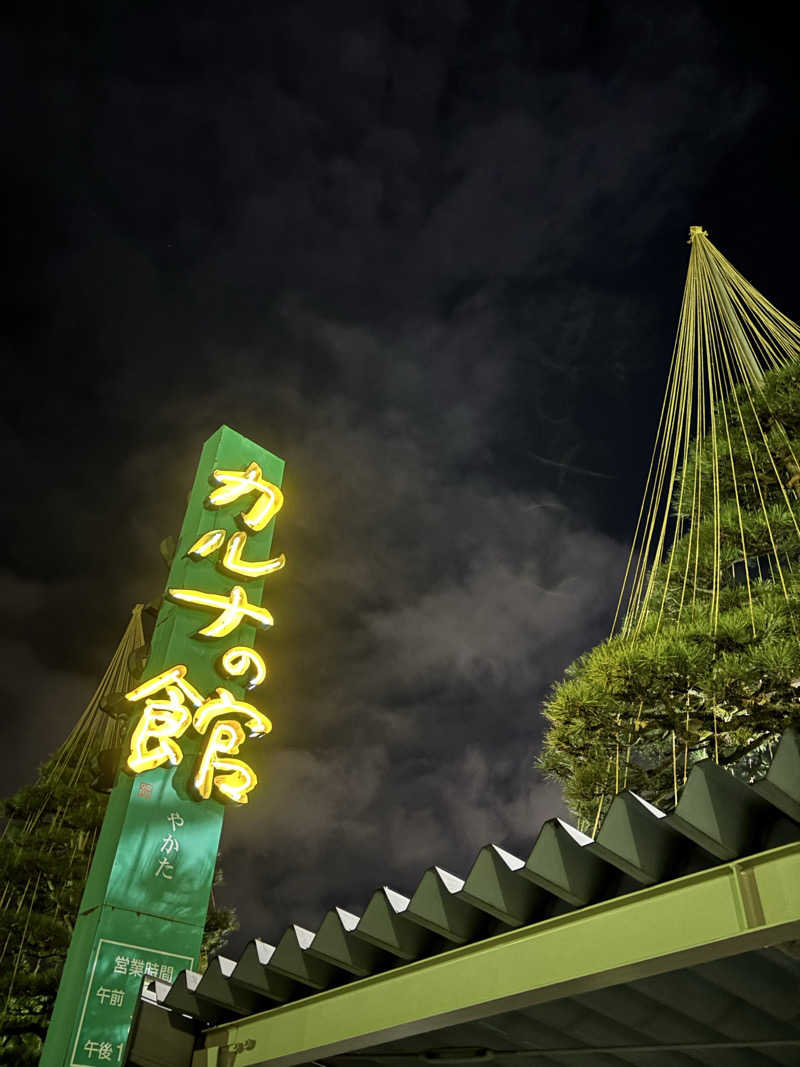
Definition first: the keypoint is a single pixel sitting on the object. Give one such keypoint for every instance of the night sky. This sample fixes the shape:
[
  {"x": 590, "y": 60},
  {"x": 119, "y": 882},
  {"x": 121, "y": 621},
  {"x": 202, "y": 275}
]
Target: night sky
[{"x": 431, "y": 254}]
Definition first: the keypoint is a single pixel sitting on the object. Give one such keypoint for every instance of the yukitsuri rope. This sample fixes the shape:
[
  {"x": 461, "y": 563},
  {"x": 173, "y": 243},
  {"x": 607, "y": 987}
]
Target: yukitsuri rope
[{"x": 729, "y": 336}]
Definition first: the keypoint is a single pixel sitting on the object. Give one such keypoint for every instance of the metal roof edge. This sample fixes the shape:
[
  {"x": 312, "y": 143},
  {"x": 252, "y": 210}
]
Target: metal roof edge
[{"x": 747, "y": 903}]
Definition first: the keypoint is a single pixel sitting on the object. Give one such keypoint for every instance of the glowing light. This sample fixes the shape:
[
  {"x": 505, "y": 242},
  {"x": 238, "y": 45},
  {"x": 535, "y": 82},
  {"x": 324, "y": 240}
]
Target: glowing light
[
  {"x": 237, "y": 778},
  {"x": 234, "y": 609},
  {"x": 232, "y": 560},
  {"x": 162, "y": 721},
  {"x": 207, "y": 544},
  {"x": 236, "y": 484},
  {"x": 226, "y": 704},
  {"x": 239, "y": 660},
  {"x": 173, "y": 676},
  {"x": 172, "y": 705}
]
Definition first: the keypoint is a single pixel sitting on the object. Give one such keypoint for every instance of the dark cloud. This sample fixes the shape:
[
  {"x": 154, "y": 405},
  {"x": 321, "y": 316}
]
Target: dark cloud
[{"x": 431, "y": 255}]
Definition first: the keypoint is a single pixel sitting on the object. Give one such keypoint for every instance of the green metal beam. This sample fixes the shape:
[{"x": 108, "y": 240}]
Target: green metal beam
[
  {"x": 748, "y": 904},
  {"x": 480, "y": 1055}
]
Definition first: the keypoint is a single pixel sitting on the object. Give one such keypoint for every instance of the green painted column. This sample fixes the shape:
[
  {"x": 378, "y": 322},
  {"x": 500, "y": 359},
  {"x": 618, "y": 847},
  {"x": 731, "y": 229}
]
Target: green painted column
[{"x": 144, "y": 906}]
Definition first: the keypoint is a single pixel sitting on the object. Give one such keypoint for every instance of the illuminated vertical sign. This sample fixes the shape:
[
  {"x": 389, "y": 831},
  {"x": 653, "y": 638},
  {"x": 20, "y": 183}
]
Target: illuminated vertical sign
[
  {"x": 195, "y": 713},
  {"x": 172, "y": 705}
]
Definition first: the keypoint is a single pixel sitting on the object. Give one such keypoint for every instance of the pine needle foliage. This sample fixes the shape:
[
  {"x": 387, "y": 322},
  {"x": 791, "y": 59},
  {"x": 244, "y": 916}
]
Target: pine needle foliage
[{"x": 45, "y": 854}]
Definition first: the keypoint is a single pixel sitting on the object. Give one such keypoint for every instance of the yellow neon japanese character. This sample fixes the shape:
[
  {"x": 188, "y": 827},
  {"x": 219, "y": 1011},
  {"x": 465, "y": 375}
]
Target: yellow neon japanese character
[
  {"x": 235, "y": 484},
  {"x": 207, "y": 544},
  {"x": 234, "y": 609},
  {"x": 225, "y": 704},
  {"x": 171, "y": 676},
  {"x": 237, "y": 661},
  {"x": 238, "y": 778},
  {"x": 232, "y": 561},
  {"x": 162, "y": 721}
]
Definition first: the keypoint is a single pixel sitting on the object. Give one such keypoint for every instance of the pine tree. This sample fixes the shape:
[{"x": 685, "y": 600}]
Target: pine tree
[
  {"x": 45, "y": 853},
  {"x": 707, "y": 661}
]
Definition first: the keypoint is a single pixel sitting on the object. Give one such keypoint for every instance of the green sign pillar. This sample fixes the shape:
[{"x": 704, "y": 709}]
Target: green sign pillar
[{"x": 144, "y": 906}]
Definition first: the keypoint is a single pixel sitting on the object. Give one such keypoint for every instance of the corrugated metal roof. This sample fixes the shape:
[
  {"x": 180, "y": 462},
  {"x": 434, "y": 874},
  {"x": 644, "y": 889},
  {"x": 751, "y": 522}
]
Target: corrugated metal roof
[{"x": 717, "y": 819}]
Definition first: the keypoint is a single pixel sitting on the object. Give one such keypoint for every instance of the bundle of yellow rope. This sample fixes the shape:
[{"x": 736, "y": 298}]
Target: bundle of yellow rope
[
  {"x": 729, "y": 335},
  {"x": 93, "y": 732}
]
